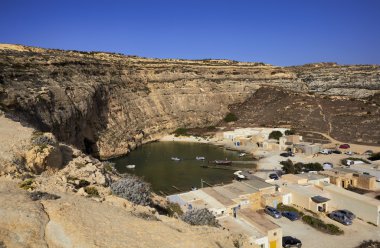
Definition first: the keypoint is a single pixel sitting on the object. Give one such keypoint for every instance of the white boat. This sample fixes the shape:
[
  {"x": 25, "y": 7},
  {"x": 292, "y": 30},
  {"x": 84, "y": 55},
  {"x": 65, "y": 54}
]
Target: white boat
[
  {"x": 242, "y": 154},
  {"x": 131, "y": 166},
  {"x": 175, "y": 159},
  {"x": 200, "y": 158}
]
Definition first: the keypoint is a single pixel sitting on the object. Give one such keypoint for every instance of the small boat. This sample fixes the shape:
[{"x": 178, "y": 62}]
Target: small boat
[
  {"x": 131, "y": 166},
  {"x": 175, "y": 159},
  {"x": 200, "y": 158},
  {"x": 242, "y": 154},
  {"x": 223, "y": 162}
]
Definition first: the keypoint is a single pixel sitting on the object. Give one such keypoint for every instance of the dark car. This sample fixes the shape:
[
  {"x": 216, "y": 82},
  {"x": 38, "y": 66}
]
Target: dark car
[
  {"x": 291, "y": 215},
  {"x": 289, "y": 241},
  {"x": 285, "y": 154},
  {"x": 272, "y": 212},
  {"x": 347, "y": 213},
  {"x": 341, "y": 218},
  {"x": 336, "y": 151},
  {"x": 274, "y": 176}
]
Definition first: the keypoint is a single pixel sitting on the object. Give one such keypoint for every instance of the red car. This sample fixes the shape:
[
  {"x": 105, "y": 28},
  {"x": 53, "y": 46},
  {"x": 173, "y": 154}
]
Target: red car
[{"x": 344, "y": 146}]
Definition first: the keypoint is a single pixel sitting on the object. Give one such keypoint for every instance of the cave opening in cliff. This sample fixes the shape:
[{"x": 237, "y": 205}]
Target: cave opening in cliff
[{"x": 90, "y": 146}]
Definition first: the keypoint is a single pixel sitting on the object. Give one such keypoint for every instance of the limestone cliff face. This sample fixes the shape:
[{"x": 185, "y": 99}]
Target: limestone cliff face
[{"x": 108, "y": 104}]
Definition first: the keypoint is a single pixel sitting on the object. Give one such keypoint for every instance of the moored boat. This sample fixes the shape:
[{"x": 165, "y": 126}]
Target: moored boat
[
  {"x": 131, "y": 166},
  {"x": 200, "y": 158},
  {"x": 223, "y": 162},
  {"x": 175, "y": 159}
]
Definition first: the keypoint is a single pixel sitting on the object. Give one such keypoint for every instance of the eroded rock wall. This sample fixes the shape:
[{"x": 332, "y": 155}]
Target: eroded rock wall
[{"x": 107, "y": 104}]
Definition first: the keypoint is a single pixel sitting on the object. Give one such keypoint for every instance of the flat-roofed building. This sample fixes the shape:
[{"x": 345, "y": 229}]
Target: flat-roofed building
[
  {"x": 362, "y": 206},
  {"x": 343, "y": 177},
  {"x": 264, "y": 225},
  {"x": 198, "y": 199},
  {"x": 255, "y": 237},
  {"x": 307, "y": 196}
]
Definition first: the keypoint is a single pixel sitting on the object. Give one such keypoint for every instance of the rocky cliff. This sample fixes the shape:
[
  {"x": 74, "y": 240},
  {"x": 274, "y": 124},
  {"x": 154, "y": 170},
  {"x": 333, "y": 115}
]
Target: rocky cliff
[{"x": 107, "y": 104}]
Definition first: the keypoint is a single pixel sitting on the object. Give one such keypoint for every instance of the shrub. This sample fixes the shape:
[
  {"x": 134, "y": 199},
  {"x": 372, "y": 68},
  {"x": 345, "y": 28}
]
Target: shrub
[
  {"x": 27, "y": 184},
  {"x": 288, "y": 167},
  {"x": 375, "y": 156},
  {"x": 133, "y": 189},
  {"x": 91, "y": 191},
  {"x": 181, "y": 132},
  {"x": 174, "y": 208},
  {"x": 108, "y": 166},
  {"x": 82, "y": 183},
  {"x": 283, "y": 207},
  {"x": 290, "y": 132},
  {"x": 43, "y": 140},
  {"x": 19, "y": 161},
  {"x": 200, "y": 217},
  {"x": 38, "y": 195},
  {"x": 369, "y": 244},
  {"x": 230, "y": 117},
  {"x": 275, "y": 135},
  {"x": 321, "y": 226}
]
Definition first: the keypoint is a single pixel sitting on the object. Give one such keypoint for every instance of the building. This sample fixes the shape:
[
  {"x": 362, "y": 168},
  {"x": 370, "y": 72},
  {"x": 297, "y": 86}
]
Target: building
[
  {"x": 272, "y": 231},
  {"x": 198, "y": 199},
  {"x": 314, "y": 178},
  {"x": 271, "y": 145},
  {"x": 256, "y": 238},
  {"x": 287, "y": 142},
  {"x": 307, "y": 196},
  {"x": 364, "y": 207},
  {"x": 345, "y": 178},
  {"x": 308, "y": 148}
]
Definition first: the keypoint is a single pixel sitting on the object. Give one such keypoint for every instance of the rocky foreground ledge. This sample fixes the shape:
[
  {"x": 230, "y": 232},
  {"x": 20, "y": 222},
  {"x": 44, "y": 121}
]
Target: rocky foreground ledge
[{"x": 53, "y": 195}]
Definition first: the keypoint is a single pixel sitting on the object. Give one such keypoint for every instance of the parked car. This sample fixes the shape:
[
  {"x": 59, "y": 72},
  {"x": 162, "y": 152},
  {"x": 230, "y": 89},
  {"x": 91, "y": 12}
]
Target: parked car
[
  {"x": 325, "y": 151},
  {"x": 274, "y": 176},
  {"x": 339, "y": 217},
  {"x": 344, "y": 146},
  {"x": 348, "y": 153},
  {"x": 291, "y": 215},
  {"x": 336, "y": 151},
  {"x": 288, "y": 241},
  {"x": 285, "y": 154},
  {"x": 272, "y": 212},
  {"x": 347, "y": 213}
]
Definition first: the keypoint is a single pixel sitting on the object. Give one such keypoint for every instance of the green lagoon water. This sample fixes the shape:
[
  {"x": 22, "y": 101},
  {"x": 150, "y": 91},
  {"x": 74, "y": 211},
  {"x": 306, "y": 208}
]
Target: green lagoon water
[{"x": 153, "y": 163}]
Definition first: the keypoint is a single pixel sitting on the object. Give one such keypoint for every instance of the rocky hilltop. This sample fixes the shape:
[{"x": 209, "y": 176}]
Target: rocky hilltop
[{"x": 107, "y": 104}]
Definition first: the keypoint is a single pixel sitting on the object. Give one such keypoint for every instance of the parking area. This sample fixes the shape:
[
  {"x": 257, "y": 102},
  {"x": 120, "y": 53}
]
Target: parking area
[{"x": 312, "y": 238}]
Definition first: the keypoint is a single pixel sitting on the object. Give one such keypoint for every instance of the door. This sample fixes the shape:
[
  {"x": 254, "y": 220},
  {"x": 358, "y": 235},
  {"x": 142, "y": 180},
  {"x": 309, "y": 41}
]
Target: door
[{"x": 273, "y": 244}]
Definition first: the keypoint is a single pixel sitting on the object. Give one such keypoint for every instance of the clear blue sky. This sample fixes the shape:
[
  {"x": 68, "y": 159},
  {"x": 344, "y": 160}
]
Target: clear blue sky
[{"x": 282, "y": 32}]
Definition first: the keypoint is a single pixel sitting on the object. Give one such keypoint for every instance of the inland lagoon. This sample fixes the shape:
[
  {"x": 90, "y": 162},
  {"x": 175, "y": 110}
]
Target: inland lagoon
[{"x": 153, "y": 162}]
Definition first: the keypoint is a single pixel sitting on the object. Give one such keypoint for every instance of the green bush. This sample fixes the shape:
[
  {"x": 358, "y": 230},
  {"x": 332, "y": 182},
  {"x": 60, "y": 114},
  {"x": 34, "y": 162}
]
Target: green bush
[
  {"x": 290, "y": 168},
  {"x": 322, "y": 226},
  {"x": 375, "y": 156},
  {"x": 27, "y": 184},
  {"x": 290, "y": 132},
  {"x": 230, "y": 117},
  {"x": 281, "y": 207},
  {"x": 91, "y": 191},
  {"x": 174, "y": 208},
  {"x": 275, "y": 135},
  {"x": 181, "y": 132}
]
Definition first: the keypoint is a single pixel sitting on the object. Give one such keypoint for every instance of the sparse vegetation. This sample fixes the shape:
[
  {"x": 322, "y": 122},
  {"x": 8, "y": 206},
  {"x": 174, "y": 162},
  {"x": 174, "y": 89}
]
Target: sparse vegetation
[
  {"x": 42, "y": 140},
  {"x": 200, "y": 217},
  {"x": 133, "y": 189},
  {"x": 19, "y": 161},
  {"x": 38, "y": 195},
  {"x": 91, "y": 191},
  {"x": 275, "y": 135},
  {"x": 290, "y": 168},
  {"x": 375, "y": 156},
  {"x": 369, "y": 244},
  {"x": 174, "y": 208},
  {"x": 230, "y": 117},
  {"x": 27, "y": 184},
  {"x": 290, "y": 132},
  {"x": 181, "y": 132},
  {"x": 79, "y": 165},
  {"x": 322, "y": 226},
  {"x": 108, "y": 166},
  {"x": 82, "y": 183},
  {"x": 281, "y": 207}
]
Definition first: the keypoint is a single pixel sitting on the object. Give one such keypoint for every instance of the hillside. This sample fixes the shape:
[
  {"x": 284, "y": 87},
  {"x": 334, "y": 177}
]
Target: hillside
[{"x": 107, "y": 104}]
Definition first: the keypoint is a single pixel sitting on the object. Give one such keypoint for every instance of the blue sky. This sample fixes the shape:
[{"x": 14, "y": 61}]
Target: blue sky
[{"x": 282, "y": 32}]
